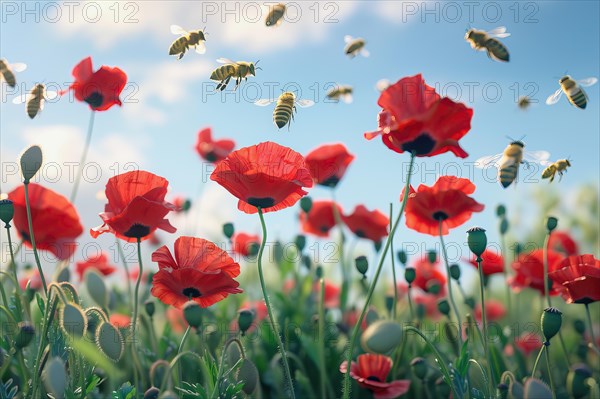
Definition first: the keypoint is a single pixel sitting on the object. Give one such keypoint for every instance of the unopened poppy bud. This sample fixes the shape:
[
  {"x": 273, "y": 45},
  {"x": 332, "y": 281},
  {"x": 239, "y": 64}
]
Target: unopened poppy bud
[
  {"x": 470, "y": 302},
  {"x": 576, "y": 385},
  {"x": 402, "y": 257},
  {"x": 503, "y": 226},
  {"x": 551, "y": 223},
  {"x": 381, "y": 337},
  {"x": 253, "y": 248},
  {"x": 377, "y": 246},
  {"x": 444, "y": 307},
  {"x": 228, "y": 230},
  {"x": 442, "y": 389},
  {"x": 419, "y": 367},
  {"x": 477, "y": 240},
  {"x": 518, "y": 248},
  {"x": 300, "y": 242},
  {"x": 187, "y": 204},
  {"x": 248, "y": 374},
  {"x": 192, "y": 313},
  {"x": 245, "y": 320},
  {"x": 579, "y": 326},
  {"x": 551, "y": 322},
  {"x": 319, "y": 272},
  {"x": 410, "y": 275},
  {"x": 31, "y": 162},
  {"x": 7, "y": 210},
  {"x": 431, "y": 256},
  {"x": 152, "y": 393},
  {"x": 500, "y": 210},
  {"x": 455, "y": 271},
  {"x": 421, "y": 311},
  {"x": 24, "y": 335},
  {"x": 306, "y": 204},
  {"x": 389, "y": 302},
  {"x": 502, "y": 391},
  {"x": 433, "y": 287},
  {"x": 150, "y": 308},
  {"x": 307, "y": 261},
  {"x": 362, "y": 264}
]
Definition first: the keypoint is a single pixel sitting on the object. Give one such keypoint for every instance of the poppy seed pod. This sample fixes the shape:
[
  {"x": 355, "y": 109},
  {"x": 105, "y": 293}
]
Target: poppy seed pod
[
  {"x": 31, "y": 162},
  {"x": 402, "y": 257},
  {"x": 381, "y": 337},
  {"x": 319, "y": 272},
  {"x": 7, "y": 210},
  {"x": 470, "y": 302},
  {"x": 410, "y": 275},
  {"x": 444, "y": 307},
  {"x": 228, "y": 230},
  {"x": 433, "y": 287},
  {"x": 150, "y": 308},
  {"x": 306, "y": 204},
  {"x": 551, "y": 223},
  {"x": 503, "y": 226},
  {"x": 245, "y": 319},
  {"x": 378, "y": 245},
  {"x": 551, "y": 322},
  {"x": 576, "y": 385},
  {"x": 152, "y": 393},
  {"x": 455, "y": 271},
  {"x": 579, "y": 326},
  {"x": 500, "y": 211},
  {"x": 192, "y": 313},
  {"x": 419, "y": 367},
  {"x": 477, "y": 240},
  {"x": 432, "y": 256},
  {"x": 362, "y": 264},
  {"x": 300, "y": 242},
  {"x": 25, "y": 334}
]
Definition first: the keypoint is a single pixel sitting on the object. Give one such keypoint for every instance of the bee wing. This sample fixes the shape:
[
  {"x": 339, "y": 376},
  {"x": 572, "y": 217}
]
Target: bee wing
[
  {"x": 51, "y": 95},
  {"x": 305, "y": 103},
  {"x": 499, "y": 32},
  {"x": 382, "y": 84},
  {"x": 348, "y": 39},
  {"x": 21, "y": 99},
  {"x": 553, "y": 99},
  {"x": 18, "y": 67},
  {"x": 178, "y": 30},
  {"x": 347, "y": 98},
  {"x": 490, "y": 160},
  {"x": 225, "y": 61},
  {"x": 587, "y": 82},
  {"x": 540, "y": 157},
  {"x": 263, "y": 102},
  {"x": 201, "y": 47},
  {"x": 364, "y": 52}
]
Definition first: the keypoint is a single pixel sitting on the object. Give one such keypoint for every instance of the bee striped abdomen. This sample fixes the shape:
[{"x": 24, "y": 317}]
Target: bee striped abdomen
[
  {"x": 497, "y": 50},
  {"x": 33, "y": 107},
  {"x": 507, "y": 174},
  {"x": 179, "y": 46},
  {"x": 223, "y": 72},
  {"x": 578, "y": 98},
  {"x": 282, "y": 114}
]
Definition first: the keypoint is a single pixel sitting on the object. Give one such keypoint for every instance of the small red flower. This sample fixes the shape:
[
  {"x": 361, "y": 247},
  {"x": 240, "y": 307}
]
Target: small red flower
[
  {"x": 33, "y": 278},
  {"x": 494, "y": 310},
  {"x": 371, "y": 371},
  {"x": 245, "y": 244},
  {"x": 55, "y": 221},
  {"x": 447, "y": 201},
  {"x": 320, "y": 219},
  {"x": 415, "y": 118},
  {"x": 100, "y": 89},
  {"x": 266, "y": 175},
  {"x": 372, "y": 225},
  {"x": 328, "y": 164},
  {"x": 492, "y": 263},
  {"x": 428, "y": 274},
  {"x": 529, "y": 270},
  {"x": 331, "y": 298},
  {"x": 120, "y": 320},
  {"x": 136, "y": 206},
  {"x": 528, "y": 342},
  {"x": 212, "y": 150},
  {"x": 580, "y": 277},
  {"x": 200, "y": 271},
  {"x": 429, "y": 303},
  {"x": 561, "y": 241},
  {"x": 98, "y": 262}
]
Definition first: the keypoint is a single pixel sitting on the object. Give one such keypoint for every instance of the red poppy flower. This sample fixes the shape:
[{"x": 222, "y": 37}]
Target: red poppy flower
[
  {"x": 212, "y": 150},
  {"x": 332, "y": 294},
  {"x": 55, "y": 221},
  {"x": 492, "y": 263},
  {"x": 372, "y": 225},
  {"x": 200, "y": 271},
  {"x": 494, "y": 310},
  {"x": 98, "y": 262},
  {"x": 266, "y": 175},
  {"x": 561, "y": 241},
  {"x": 447, "y": 201},
  {"x": 33, "y": 278},
  {"x": 428, "y": 274},
  {"x": 528, "y": 342},
  {"x": 100, "y": 89},
  {"x": 328, "y": 163},
  {"x": 371, "y": 371},
  {"x": 580, "y": 277},
  {"x": 136, "y": 206},
  {"x": 320, "y": 219},
  {"x": 529, "y": 270},
  {"x": 245, "y": 244},
  {"x": 415, "y": 118},
  {"x": 120, "y": 320}
]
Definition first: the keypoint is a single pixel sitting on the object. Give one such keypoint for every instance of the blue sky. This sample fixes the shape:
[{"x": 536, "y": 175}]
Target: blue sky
[{"x": 167, "y": 101}]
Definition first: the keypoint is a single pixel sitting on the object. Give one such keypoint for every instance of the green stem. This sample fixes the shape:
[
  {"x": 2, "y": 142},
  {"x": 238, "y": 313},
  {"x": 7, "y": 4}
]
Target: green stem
[
  {"x": 345, "y": 275},
  {"x": 88, "y": 140},
  {"x": 484, "y": 322},
  {"x": 505, "y": 272},
  {"x": 593, "y": 339},
  {"x": 449, "y": 281},
  {"x": 286, "y": 367},
  {"x": 550, "y": 374},
  {"x": 183, "y": 339},
  {"x": 220, "y": 371},
  {"x": 32, "y": 238},
  {"x": 410, "y": 304},
  {"x": 124, "y": 261},
  {"x": 48, "y": 317},
  {"x": 136, "y": 361},
  {"x": 346, "y": 383},
  {"x": 322, "y": 336},
  {"x": 392, "y": 255},
  {"x": 537, "y": 359},
  {"x": 546, "y": 283}
]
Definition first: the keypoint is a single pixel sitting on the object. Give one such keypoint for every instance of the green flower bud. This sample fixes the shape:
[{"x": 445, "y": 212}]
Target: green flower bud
[
  {"x": 300, "y": 242},
  {"x": 503, "y": 226},
  {"x": 187, "y": 204},
  {"x": 7, "y": 210},
  {"x": 431, "y": 256},
  {"x": 319, "y": 272},
  {"x": 419, "y": 367},
  {"x": 389, "y": 302},
  {"x": 477, "y": 240},
  {"x": 150, "y": 307},
  {"x": 152, "y": 393},
  {"x": 55, "y": 377},
  {"x": 25, "y": 334},
  {"x": 576, "y": 385},
  {"x": 228, "y": 230},
  {"x": 442, "y": 389},
  {"x": 518, "y": 247},
  {"x": 378, "y": 246},
  {"x": 470, "y": 302},
  {"x": 410, "y": 275},
  {"x": 245, "y": 320},
  {"x": 382, "y": 336},
  {"x": 433, "y": 287},
  {"x": 421, "y": 311},
  {"x": 455, "y": 272},
  {"x": 253, "y": 249},
  {"x": 536, "y": 389},
  {"x": 306, "y": 204},
  {"x": 307, "y": 261},
  {"x": 248, "y": 374},
  {"x": 31, "y": 162},
  {"x": 500, "y": 210},
  {"x": 443, "y": 306},
  {"x": 402, "y": 257},
  {"x": 362, "y": 264},
  {"x": 579, "y": 326},
  {"x": 551, "y": 223},
  {"x": 192, "y": 313},
  {"x": 551, "y": 322}
]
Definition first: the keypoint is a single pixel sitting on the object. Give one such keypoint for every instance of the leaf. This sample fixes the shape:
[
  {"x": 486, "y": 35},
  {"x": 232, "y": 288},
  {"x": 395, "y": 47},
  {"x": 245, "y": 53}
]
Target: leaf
[
  {"x": 127, "y": 391},
  {"x": 498, "y": 365},
  {"x": 40, "y": 302},
  {"x": 462, "y": 364}
]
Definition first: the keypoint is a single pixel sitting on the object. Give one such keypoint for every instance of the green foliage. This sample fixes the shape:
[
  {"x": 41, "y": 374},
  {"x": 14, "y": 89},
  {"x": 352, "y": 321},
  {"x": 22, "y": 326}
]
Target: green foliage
[
  {"x": 126, "y": 391},
  {"x": 6, "y": 391}
]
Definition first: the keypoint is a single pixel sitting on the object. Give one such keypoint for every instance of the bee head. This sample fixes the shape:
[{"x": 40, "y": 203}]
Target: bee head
[
  {"x": 469, "y": 33},
  {"x": 519, "y": 143},
  {"x": 564, "y": 79}
]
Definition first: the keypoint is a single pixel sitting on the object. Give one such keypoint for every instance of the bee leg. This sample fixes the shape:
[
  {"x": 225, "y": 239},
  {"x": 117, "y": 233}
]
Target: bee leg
[{"x": 224, "y": 83}]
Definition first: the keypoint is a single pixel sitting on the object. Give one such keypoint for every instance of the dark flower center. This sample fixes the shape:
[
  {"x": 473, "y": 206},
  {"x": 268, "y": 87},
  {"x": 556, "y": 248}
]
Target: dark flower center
[
  {"x": 191, "y": 292},
  {"x": 422, "y": 145},
  {"x": 360, "y": 234},
  {"x": 25, "y": 236},
  {"x": 265, "y": 202},
  {"x": 95, "y": 99},
  {"x": 137, "y": 231},
  {"x": 210, "y": 156},
  {"x": 373, "y": 378},
  {"x": 324, "y": 229},
  {"x": 440, "y": 216},
  {"x": 330, "y": 182}
]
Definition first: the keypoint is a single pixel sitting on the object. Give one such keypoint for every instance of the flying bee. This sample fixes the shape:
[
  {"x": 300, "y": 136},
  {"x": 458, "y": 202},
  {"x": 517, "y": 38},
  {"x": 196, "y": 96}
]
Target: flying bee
[
  {"x": 524, "y": 102},
  {"x": 572, "y": 90},
  {"x": 283, "y": 114},
  {"x": 341, "y": 92},
  {"x": 35, "y": 99},
  {"x": 508, "y": 162},
  {"x": 7, "y": 71},
  {"x": 275, "y": 16},
  {"x": 355, "y": 46},
  {"x": 193, "y": 39},
  {"x": 559, "y": 167},
  {"x": 486, "y": 41},
  {"x": 382, "y": 84},
  {"x": 238, "y": 70}
]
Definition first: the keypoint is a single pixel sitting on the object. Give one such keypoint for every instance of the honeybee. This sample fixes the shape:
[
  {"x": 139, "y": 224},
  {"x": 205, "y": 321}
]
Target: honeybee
[
  {"x": 238, "y": 70},
  {"x": 7, "y": 71},
  {"x": 572, "y": 90},
  {"x": 35, "y": 99},
  {"x": 341, "y": 92},
  {"x": 193, "y": 39},
  {"x": 283, "y": 114},
  {"x": 508, "y": 162},
  {"x": 559, "y": 167},
  {"x": 355, "y": 46},
  {"x": 524, "y": 102},
  {"x": 275, "y": 16},
  {"x": 486, "y": 41},
  {"x": 382, "y": 84}
]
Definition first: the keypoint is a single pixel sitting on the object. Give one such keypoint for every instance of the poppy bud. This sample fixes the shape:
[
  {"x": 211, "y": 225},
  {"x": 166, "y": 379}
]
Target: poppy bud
[
  {"x": 502, "y": 391},
  {"x": 433, "y": 287},
  {"x": 551, "y": 223},
  {"x": 576, "y": 385},
  {"x": 228, "y": 230},
  {"x": 362, "y": 264},
  {"x": 150, "y": 308},
  {"x": 503, "y": 226},
  {"x": 455, "y": 271},
  {"x": 410, "y": 275},
  {"x": 55, "y": 377},
  {"x": 306, "y": 204},
  {"x": 579, "y": 326},
  {"x": 477, "y": 240},
  {"x": 389, "y": 302},
  {"x": 500, "y": 210},
  {"x": 300, "y": 242},
  {"x": 451, "y": 333},
  {"x": 192, "y": 313},
  {"x": 535, "y": 388},
  {"x": 470, "y": 302},
  {"x": 421, "y": 311},
  {"x": 253, "y": 249},
  {"x": 444, "y": 307},
  {"x": 377, "y": 246},
  {"x": 381, "y": 337},
  {"x": 7, "y": 210},
  {"x": 307, "y": 261},
  {"x": 442, "y": 388},
  {"x": 319, "y": 272},
  {"x": 518, "y": 248},
  {"x": 432, "y": 256},
  {"x": 31, "y": 162},
  {"x": 187, "y": 204},
  {"x": 248, "y": 374},
  {"x": 582, "y": 351},
  {"x": 402, "y": 257},
  {"x": 245, "y": 320},
  {"x": 110, "y": 341},
  {"x": 551, "y": 322},
  {"x": 152, "y": 393},
  {"x": 24, "y": 335},
  {"x": 419, "y": 367}
]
